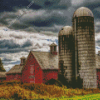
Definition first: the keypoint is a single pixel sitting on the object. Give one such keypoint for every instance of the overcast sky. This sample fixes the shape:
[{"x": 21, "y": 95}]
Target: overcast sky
[{"x": 33, "y": 24}]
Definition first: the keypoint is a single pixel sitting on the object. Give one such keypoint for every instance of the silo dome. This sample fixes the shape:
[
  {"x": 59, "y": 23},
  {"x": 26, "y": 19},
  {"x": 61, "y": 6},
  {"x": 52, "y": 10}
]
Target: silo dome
[
  {"x": 66, "y": 30},
  {"x": 83, "y": 11}
]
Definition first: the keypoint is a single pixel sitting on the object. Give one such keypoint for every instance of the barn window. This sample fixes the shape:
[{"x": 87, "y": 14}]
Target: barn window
[
  {"x": 32, "y": 70},
  {"x": 31, "y": 76}
]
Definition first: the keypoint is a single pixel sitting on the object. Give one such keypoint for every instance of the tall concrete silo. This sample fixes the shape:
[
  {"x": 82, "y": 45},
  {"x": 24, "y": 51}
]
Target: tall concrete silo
[
  {"x": 66, "y": 56},
  {"x": 83, "y": 29}
]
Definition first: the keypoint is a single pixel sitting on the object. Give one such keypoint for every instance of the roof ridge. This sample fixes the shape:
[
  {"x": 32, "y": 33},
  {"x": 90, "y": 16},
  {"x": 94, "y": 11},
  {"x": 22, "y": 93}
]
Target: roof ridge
[{"x": 41, "y": 51}]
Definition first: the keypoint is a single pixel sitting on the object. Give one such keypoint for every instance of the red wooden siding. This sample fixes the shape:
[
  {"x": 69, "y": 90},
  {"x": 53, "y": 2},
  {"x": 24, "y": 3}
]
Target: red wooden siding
[
  {"x": 49, "y": 74},
  {"x": 54, "y": 53},
  {"x": 32, "y": 73},
  {"x": 13, "y": 77}
]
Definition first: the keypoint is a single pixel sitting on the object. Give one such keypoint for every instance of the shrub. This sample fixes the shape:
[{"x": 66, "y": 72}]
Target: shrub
[{"x": 12, "y": 82}]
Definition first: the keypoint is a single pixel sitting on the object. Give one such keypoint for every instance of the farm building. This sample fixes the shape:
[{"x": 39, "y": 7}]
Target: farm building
[
  {"x": 38, "y": 68},
  {"x": 77, "y": 50},
  {"x": 77, "y": 56}
]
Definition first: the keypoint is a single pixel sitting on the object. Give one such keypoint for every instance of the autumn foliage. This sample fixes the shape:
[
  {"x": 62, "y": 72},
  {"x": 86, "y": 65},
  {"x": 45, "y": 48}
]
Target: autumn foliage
[{"x": 17, "y": 90}]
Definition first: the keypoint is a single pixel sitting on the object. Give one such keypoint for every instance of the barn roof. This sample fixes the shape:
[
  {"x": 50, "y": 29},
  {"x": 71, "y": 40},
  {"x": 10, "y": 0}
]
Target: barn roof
[
  {"x": 46, "y": 60},
  {"x": 15, "y": 69},
  {"x": 53, "y": 44},
  {"x": 2, "y": 74}
]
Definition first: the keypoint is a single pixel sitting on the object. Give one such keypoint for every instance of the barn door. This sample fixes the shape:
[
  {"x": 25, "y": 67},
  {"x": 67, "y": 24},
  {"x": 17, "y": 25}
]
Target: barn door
[
  {"x": 98, "y": 78},
  {"x": 32, "y": 74}
]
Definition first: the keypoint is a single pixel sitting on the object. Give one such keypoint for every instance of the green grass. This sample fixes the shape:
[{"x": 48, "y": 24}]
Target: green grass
[
  {"x": 5, "y": 99},
  {"x": 85, "y": 97}
]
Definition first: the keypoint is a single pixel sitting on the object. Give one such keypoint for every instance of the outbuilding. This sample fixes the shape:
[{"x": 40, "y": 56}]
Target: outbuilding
[{"x": 39, "y": 67}]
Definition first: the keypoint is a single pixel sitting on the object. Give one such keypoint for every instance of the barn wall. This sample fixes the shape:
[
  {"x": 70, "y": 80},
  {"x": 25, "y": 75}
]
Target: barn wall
[
  {"x": 49, "y": 74},
  {"x": 32, "y": 73},
  {"x": 13, "y": 77}
]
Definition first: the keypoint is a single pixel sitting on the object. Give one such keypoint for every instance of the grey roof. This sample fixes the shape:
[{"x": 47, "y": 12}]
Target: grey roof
[
  {"x": 66, "y": 30},
  {"x": 2, "y": 74},
  {"x": 83, "y": 11},
  {"x": 46, "y": 60},
  {"x": 15, "y": 69},
  {"x": 53, "y": 44}
]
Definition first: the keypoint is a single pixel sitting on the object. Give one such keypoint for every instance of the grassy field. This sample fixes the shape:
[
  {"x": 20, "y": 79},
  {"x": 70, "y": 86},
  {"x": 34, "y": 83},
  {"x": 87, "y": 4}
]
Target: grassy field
[
  {"x": 85, "y": 97},
  {"x": 16, "y": 90}
]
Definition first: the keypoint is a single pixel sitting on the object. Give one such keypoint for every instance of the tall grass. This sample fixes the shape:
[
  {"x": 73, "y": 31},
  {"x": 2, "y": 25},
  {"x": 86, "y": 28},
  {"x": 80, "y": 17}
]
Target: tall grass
[{"x": 16, "y": 90}]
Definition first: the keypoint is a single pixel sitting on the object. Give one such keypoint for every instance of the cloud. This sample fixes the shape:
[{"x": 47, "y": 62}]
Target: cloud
[
  {"x": 91, "y": 4},
  {"x": 15, "y": 44},
  {"x": 44, "y": 15},
  {"x": 36, "y": 27},
  {"x": 53, "y": 4},
  {"x": 77, "y": 2},
  {"x": 23, "y": 18}
]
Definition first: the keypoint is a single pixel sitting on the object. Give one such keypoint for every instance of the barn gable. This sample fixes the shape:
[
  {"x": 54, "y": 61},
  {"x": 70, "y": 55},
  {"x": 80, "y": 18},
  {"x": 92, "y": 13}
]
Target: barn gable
[
  {"x": 49, "y": 64},
  {"x": 46, "y": 60},
  {"x": 32, "y": 72}
]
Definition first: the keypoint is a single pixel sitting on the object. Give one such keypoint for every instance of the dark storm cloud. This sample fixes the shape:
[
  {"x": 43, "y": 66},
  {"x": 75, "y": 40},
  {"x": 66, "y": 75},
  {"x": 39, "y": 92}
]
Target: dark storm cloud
[
  {"x": 53, "y": 4},
  {"x": 45, "y": 21},
  {"x": 48, "y": 18},
  {"x": 10, "y": 44},
  {"x": 17, "y": 26},
  {"x": 9, "y": 5},
  {"x": 47, "y": 13},
  {"x": 27, "y": 44}
]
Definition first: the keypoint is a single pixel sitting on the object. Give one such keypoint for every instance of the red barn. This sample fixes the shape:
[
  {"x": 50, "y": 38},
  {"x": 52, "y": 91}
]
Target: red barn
[
  {"x": 41, "y": 66},
  {"x": 38, "y": 68},
  {"x": 15, "y": 73}
]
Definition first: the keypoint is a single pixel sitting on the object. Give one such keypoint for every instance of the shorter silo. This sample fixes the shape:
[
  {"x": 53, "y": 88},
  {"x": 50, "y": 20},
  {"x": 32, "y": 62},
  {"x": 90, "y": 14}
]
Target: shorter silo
[{"x": 66, "y": 53}]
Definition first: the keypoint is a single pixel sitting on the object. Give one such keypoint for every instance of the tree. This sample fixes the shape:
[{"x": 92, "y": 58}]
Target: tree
[{"x": 1, "y": 66}]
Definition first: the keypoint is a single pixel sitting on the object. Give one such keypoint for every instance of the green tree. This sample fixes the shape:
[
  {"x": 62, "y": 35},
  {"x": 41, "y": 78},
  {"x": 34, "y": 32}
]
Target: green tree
[{"x": 1, "y": 66}]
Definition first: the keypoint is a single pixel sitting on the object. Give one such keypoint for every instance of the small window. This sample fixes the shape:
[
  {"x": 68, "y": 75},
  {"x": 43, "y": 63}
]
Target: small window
[{"x": 32, "y": 76}]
